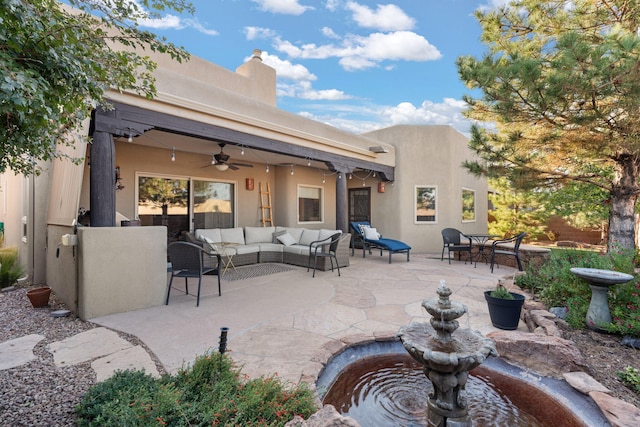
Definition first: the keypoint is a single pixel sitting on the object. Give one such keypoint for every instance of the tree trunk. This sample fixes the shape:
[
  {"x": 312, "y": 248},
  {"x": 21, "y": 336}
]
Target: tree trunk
[{"x": 623, "y": 196}]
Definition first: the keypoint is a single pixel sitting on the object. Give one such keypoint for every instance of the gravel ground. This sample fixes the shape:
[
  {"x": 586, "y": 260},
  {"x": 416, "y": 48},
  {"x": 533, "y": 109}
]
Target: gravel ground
[{"x": 39, "y": 393}]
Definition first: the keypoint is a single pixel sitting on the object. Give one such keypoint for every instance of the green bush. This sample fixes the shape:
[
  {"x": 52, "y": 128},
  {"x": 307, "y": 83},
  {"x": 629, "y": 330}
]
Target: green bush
[
  {"x": 631, "y": 377},
  {"x": 10, "y": 268},
  {"x": 209, "y": 392},
  {"x": 555, "y": 285}
]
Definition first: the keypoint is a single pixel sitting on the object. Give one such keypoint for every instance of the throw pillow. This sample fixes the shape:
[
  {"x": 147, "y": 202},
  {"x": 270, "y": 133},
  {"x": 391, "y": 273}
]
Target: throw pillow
[
  {"x": 371, "y": 234},
  {"x": 276, "y": 234},
  {"x": 287, "y": 239}
]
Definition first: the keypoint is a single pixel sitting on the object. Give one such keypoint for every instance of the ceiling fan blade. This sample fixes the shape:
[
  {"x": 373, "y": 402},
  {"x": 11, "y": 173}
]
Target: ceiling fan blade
[
  {"x": 232, "y": 166},
  {"x": 245, "y": 165}
]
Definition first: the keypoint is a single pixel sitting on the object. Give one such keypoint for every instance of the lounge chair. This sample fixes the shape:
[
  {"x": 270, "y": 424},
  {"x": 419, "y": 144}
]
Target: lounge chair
[{"x": 373, "y": 240}]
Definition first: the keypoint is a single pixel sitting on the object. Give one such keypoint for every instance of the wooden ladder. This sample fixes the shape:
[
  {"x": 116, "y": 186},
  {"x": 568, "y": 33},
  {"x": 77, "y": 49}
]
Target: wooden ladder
[{"x": 267, "y": 211}]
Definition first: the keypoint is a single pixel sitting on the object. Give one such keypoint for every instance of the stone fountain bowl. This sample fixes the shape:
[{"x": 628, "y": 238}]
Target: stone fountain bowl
[
  {"x": 600, "y": 277},
  {"x": 465, "y": 351}
]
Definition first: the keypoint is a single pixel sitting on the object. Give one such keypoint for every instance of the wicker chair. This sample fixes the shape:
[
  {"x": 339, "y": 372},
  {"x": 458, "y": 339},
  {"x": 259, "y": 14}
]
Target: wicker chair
[
  {"x": 187, "y": 260},
  {"x": 326, "y": 248}
]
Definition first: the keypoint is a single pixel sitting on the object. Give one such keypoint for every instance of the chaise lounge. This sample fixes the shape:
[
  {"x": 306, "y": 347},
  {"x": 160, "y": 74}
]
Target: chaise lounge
[{"x": 370, "y": 238}]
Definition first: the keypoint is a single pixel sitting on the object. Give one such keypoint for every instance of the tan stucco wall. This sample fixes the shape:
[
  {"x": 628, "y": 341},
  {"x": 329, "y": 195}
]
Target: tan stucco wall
[
  {"x": 427, "y": 155},
  {"x": 286, "y": 203},
  {"x": 121, "y": 269}
]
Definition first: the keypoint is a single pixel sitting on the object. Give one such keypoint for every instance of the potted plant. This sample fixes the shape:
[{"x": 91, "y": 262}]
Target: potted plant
[
  {"x": 504, "y": 307},
  {"x": 10, "y": 268}
]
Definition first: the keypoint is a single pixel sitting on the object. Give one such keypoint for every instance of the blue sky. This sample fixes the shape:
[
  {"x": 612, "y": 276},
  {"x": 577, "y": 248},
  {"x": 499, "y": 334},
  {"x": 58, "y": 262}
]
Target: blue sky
[{"x": 357, "y": 65}]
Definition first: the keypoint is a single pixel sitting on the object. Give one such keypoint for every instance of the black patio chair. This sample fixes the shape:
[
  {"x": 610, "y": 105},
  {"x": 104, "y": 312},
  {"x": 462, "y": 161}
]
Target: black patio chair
[
  {"x": 452, "y": 242},
  {"x": 187, "y": 260},
  {"x": 498, "y": 248},
  {"x": 325, "y": 248}
]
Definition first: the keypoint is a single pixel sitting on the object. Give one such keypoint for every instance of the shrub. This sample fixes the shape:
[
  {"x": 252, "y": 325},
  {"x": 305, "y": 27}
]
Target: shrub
[
  {"x": 631, "y": 377},
  {"x": 10, "y": 268},
  {"x": 209, "y": 392},
  {"x": 555, "y": 285}
]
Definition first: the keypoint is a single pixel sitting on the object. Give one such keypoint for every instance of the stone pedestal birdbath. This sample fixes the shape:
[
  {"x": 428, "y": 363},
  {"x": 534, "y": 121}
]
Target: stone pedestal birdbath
[{"x": 600, "y": 281}]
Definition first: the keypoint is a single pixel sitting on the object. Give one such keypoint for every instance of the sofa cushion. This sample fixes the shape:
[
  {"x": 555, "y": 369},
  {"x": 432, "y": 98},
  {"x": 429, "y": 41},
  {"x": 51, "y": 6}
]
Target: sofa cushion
[
  {"x": 271, "y": 247},
  {"x": 246, "y": 249},
  {"x": 286, "y": 239},
  {"x": 211, "y": 233},
  {"x": 294, "y": 231},
  {"x": 258, "y": 234},
  {"x": 324, "y": 233},
  {"x": 309, "y": 236},
  {"x": 232, "y": 235},
  {"x": 297, "y": 249}
]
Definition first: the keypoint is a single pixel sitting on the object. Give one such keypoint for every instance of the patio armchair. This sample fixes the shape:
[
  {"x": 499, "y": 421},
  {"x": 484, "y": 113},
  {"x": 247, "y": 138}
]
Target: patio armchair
[
  {"x": 370, "y": 238},
  {"x": 187, "y": 260},
  {"x": 503, "y": 248},
  {"x": 325, "y": 248},
  {"x": 452, "y": 242}
]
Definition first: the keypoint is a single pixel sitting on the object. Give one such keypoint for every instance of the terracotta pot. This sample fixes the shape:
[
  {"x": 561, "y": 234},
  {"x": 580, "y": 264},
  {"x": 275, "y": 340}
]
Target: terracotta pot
[{"x": 39, "y": 297}]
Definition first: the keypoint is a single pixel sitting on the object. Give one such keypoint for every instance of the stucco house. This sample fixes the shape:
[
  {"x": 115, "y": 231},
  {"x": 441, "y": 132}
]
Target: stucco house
[{"x": 407, "y": 180}]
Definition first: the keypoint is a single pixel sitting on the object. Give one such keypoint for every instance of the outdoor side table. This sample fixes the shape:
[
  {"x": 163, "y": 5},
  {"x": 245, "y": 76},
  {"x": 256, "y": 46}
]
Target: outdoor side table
[{"x": 481, "y": 241}]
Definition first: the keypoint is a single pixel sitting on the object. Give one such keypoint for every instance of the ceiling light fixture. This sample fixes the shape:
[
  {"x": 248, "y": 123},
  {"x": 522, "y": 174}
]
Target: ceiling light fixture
[
  {"x": 267, "y": 169},
  {"x": 309, "y": 162},
  {"x": 173, "y": 154},
  {"x": 222, "y": 167},
  {"x": 291, "y": 169},
  {"x": 242, "y": 151},
  {"x": 130, "y": 138}
]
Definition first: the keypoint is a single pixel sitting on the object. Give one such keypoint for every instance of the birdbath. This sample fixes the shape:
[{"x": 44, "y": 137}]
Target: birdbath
[{"x": 599, "y": 282}]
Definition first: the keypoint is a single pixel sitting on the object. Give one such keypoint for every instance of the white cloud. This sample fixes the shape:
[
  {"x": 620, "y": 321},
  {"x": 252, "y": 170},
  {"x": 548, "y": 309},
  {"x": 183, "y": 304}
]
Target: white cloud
[
  {"x": 252, "y": 33},
  {"x": 176, "y": 23},
  {"x": 365, "y": 118},
  {"x": 332, "y": 5},
  {"x": 286, "y": 70},
  {"x": 329, "y": 33},
  {"x": 287, "y": 7},
  {"x": 387, "y": 17},
  {"x": 361, "y": 52}
]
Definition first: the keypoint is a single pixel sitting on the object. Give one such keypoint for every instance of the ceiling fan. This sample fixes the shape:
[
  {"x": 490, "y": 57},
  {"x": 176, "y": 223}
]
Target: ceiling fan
[{"x": 222, "y": 161}]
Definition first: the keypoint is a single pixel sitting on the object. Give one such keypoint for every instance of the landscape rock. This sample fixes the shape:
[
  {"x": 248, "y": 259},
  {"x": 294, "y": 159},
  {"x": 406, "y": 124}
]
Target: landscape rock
[
  {"x": 617, "y": 412},
  {"x": 548, "y": 355},
  {"x": 584, "y": 382},
  {"x": 326, "y": 417}
]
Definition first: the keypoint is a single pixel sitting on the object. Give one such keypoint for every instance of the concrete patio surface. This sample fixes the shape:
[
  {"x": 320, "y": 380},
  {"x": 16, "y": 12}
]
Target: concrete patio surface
[{"x": 290, "y": 323}]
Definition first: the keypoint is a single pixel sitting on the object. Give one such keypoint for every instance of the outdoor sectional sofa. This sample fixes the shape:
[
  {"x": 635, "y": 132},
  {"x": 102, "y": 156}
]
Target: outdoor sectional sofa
[{"x": 251, "y": 245}]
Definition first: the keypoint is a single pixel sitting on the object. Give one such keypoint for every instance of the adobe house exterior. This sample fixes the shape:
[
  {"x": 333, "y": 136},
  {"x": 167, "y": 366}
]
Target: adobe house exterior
[{"x": 199, "y": 106}]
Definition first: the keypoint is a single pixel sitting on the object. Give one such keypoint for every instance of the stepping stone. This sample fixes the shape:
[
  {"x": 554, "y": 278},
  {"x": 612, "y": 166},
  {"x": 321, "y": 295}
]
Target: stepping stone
[
  {"x": 584, "y": 382},
  {"x": 18, "y": 351},
  {"x": 86, "y": 346},
  {"x": 618, "y": 412},
  {"x": 130, "y": 359}
]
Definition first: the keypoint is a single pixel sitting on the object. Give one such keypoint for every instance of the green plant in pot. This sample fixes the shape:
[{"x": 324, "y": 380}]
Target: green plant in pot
[
  {"x": 10, "y": 268},
  {"x": 504, "y": 307}
]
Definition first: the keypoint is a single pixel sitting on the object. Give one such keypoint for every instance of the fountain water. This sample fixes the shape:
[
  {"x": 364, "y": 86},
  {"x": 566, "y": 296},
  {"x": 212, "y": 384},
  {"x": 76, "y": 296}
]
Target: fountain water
[{"x": 447, "y": 355}]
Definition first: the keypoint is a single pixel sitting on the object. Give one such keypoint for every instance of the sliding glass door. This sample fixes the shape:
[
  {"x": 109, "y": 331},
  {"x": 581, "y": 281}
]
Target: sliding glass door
[
  {"x": 213, "y": 204},
  {"x": 177, "y": 202}
]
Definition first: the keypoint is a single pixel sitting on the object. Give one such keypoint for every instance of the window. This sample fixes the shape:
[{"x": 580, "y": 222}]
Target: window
[
  {"x": 309, "y": 204},
  {"x": 468, "y": 205},
  {"x": 425, "y": 204}
]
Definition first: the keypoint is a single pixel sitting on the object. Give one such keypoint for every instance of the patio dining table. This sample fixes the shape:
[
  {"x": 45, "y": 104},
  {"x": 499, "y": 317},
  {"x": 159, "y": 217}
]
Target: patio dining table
[{"x": 481, "y": 241}]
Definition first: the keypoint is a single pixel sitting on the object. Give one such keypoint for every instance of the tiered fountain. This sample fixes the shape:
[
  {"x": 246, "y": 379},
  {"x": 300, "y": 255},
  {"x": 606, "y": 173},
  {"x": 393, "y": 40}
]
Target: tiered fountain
[{"x": 447, "y": 356}]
